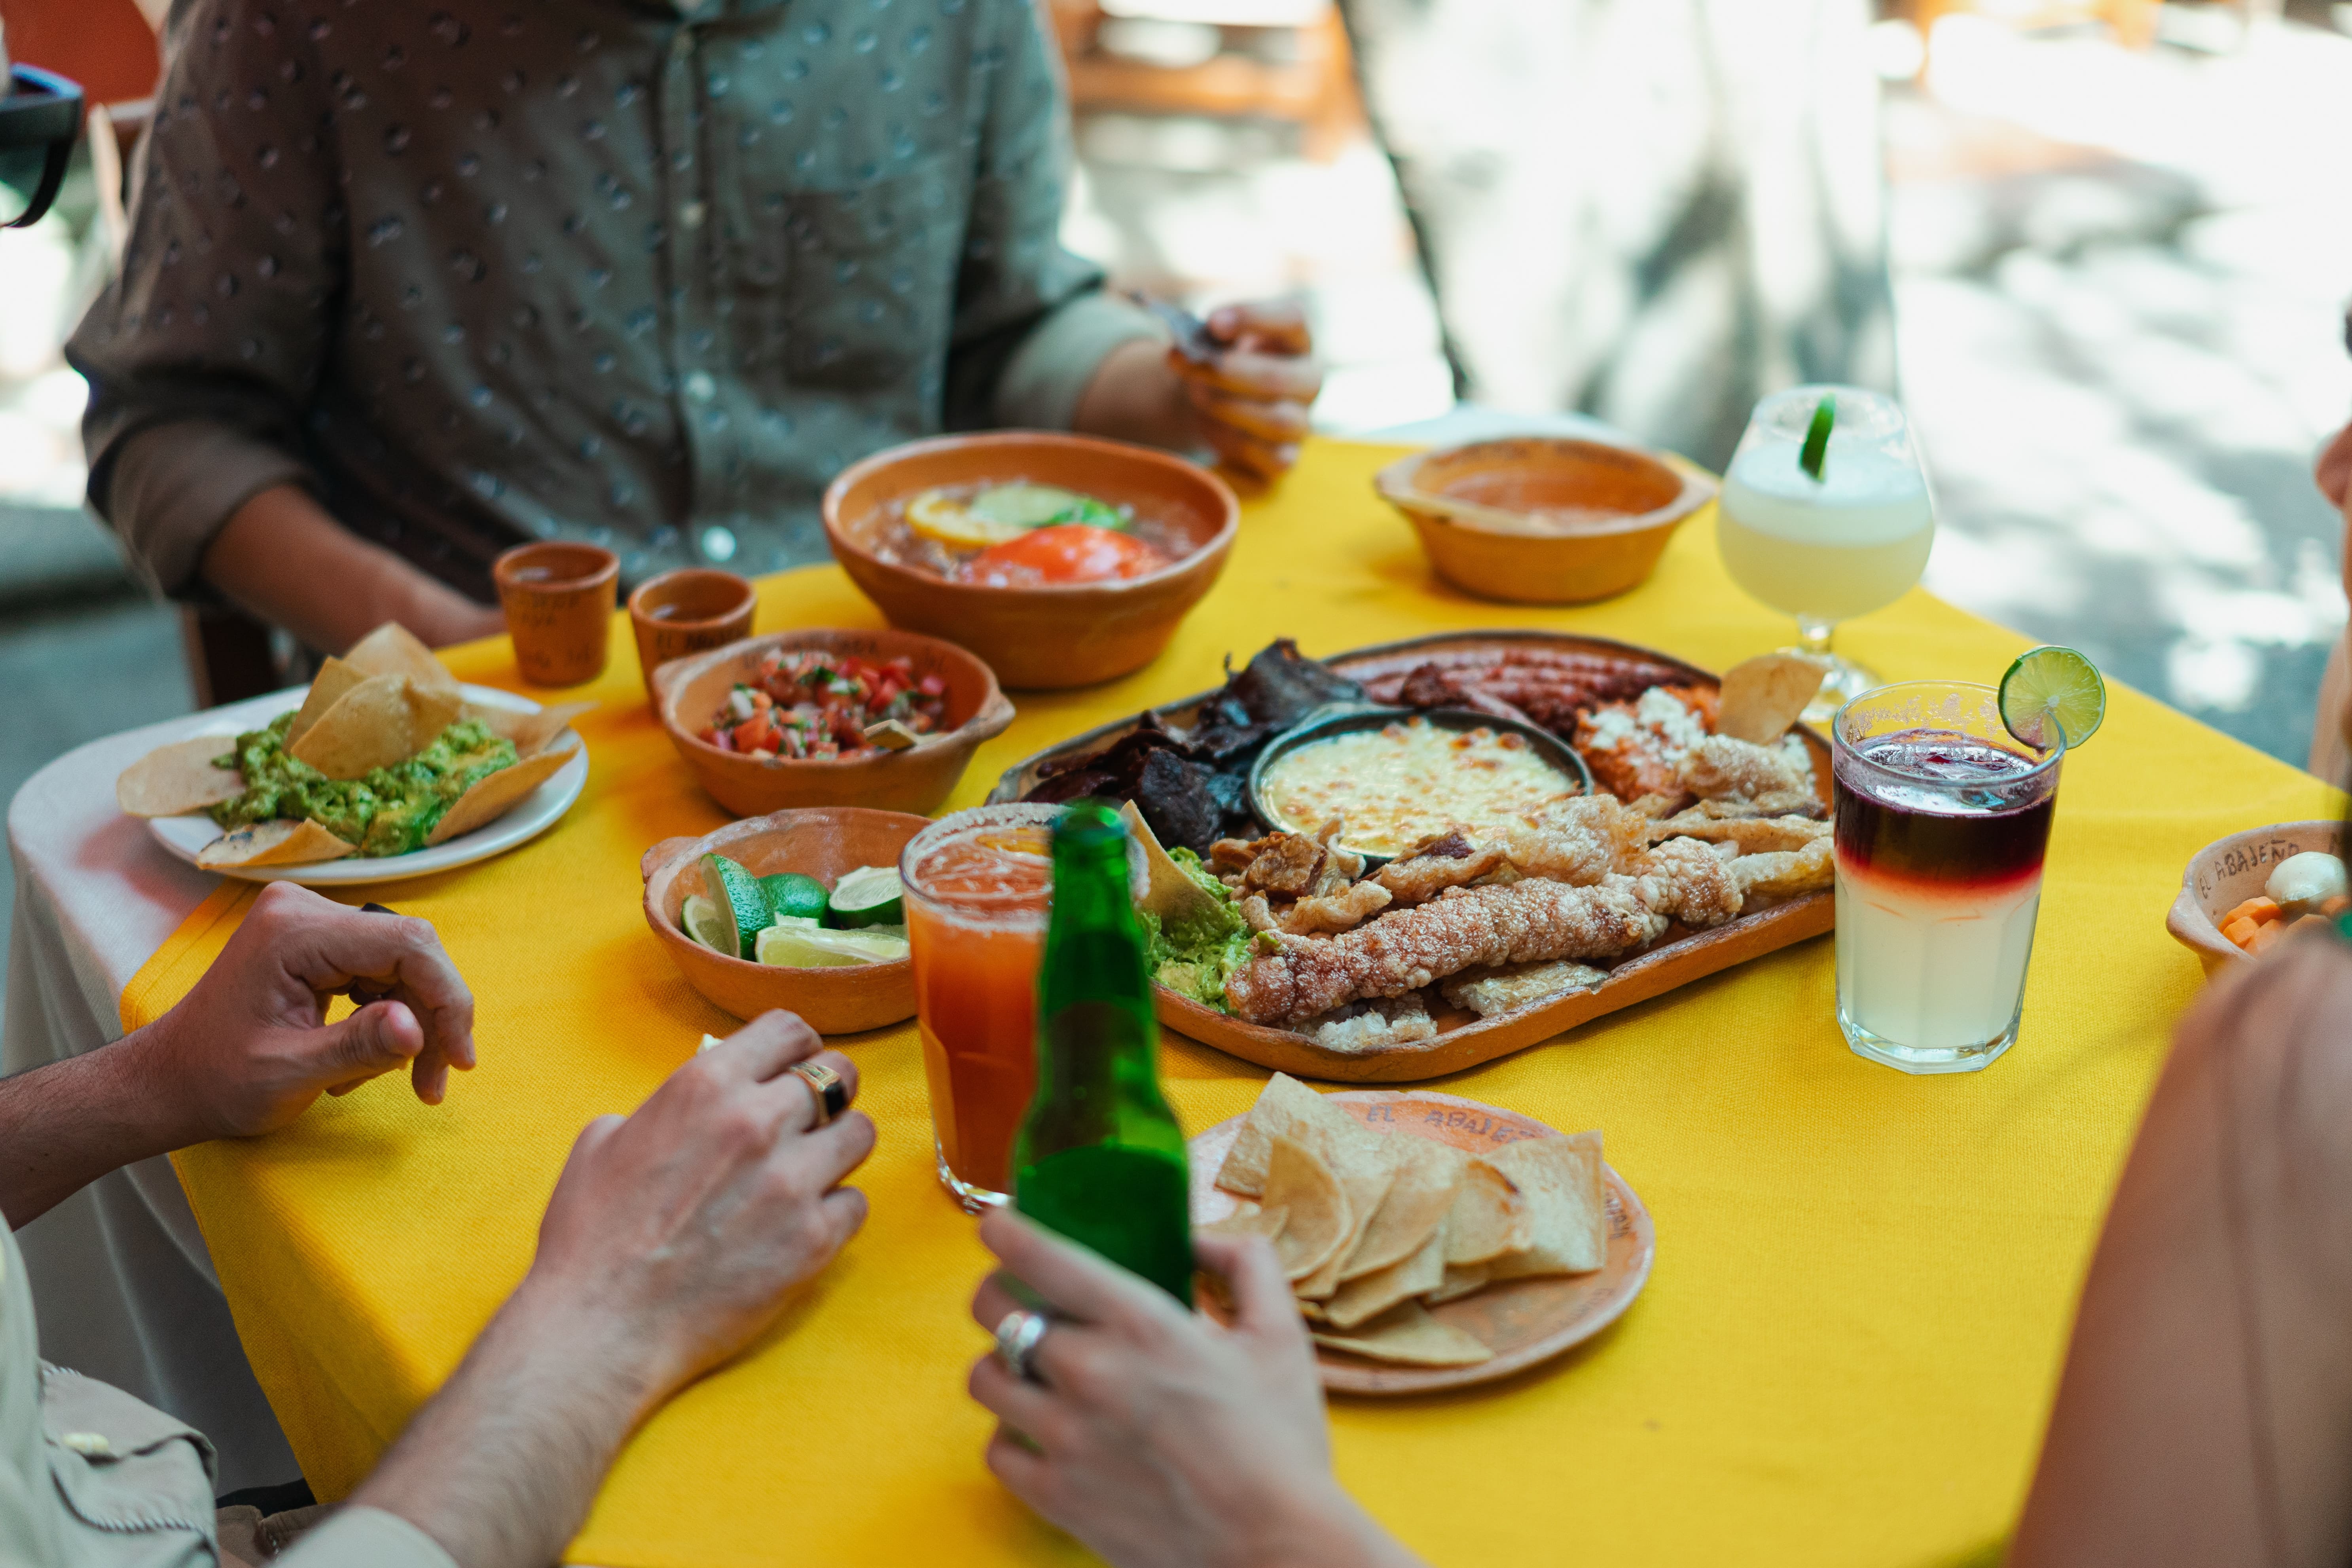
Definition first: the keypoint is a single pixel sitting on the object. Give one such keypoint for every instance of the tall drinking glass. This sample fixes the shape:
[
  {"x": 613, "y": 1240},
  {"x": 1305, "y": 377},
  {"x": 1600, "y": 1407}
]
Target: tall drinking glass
[
  {"x": 977, "y": 884},
  {"x": 1942, "y": 819},
  {"x": 1826, "y": 547}
]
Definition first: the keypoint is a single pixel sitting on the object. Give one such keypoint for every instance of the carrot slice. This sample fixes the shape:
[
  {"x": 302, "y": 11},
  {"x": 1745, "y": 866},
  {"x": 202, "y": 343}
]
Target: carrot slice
[
  {"x": 2240, "y": 932},
  {"x": 2264, "y": 935}
]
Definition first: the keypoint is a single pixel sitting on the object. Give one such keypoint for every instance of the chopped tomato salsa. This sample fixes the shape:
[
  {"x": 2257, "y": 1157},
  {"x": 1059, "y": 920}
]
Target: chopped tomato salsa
[{"x": 806, "y": 703}]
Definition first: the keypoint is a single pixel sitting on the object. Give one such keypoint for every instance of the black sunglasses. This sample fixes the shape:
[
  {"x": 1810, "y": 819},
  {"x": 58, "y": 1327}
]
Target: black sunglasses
[{"x": 40, "y": 117}]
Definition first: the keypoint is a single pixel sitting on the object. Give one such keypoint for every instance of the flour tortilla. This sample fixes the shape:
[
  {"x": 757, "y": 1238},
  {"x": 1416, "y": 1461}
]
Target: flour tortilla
[
  {"x": 279, "y": 843},
  {"x": 393, "y": 649},
  {"x": 178, "y": 778},
  {"x": 1561, "y": 1179},
  {"x": 334, "y": 678},
  {"x": 1409, "y": 1336},
  {"x": 492, "y": 797},
  {"x": 380, "y": 721}
]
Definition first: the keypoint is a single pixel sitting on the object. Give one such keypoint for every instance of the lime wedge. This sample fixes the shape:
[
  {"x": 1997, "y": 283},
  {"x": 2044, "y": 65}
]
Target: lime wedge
[
  {"x": 1817, "y": 437},
  {"x": 708, "y": 924},
  {"x": 790, "y": 893},
  {"x": 1026, "y": 506},
  {"x": 807, "y": 947},
  {"x": 739, "y": 901},
  {"x": 869, "y": 896},
  {"x": 2050, "y": 684}
]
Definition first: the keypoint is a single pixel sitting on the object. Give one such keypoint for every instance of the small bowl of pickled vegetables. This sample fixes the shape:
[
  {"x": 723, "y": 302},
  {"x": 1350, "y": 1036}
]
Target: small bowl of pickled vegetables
[
  {"x": 883, "y": 719},
  {"x": 1060, "y": 560},
  {"x": 2243, "y": 893},
  {"x": 797, "y": 910}
]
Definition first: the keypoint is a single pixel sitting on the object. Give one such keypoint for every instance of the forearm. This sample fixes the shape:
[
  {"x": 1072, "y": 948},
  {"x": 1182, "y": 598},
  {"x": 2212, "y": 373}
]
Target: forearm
[
  {"x": 65, "y": 1125},
  {"x": 1326, "y": 1528},
  {"x": 1135, "y": 396},
  {"x": 284, "y": 559},
  {"x": 501, "y": 1466}
]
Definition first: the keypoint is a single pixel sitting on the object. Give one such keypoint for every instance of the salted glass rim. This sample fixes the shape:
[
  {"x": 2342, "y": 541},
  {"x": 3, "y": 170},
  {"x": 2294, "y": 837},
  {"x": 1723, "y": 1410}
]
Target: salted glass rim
[
  {"x": 1843, "y": 753},
  {"x": 1862, "y": 414}
]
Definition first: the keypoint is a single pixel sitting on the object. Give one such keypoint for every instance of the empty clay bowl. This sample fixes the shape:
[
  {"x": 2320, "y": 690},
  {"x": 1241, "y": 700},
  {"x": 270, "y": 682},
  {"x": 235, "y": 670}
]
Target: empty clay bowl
[
  {"x": 688, "y": 690},
  {"x": 821, "y": 843},
  {"x": 2229, "y": 871},
  {"x": 1543, "y": 520},
  {"x": 1069, "y": 635}
]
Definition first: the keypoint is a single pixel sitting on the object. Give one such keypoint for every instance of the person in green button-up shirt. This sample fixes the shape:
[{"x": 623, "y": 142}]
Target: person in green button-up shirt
[{"x": 407, "y": 286}]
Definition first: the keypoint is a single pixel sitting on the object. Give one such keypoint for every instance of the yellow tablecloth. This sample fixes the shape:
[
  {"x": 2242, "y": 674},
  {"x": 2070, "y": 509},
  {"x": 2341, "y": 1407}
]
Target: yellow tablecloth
[{"x": 1863, "y": 1282}]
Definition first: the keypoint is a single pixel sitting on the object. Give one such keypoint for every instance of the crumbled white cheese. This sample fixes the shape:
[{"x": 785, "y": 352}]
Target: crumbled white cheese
[{"x": 1663, "y": 712}]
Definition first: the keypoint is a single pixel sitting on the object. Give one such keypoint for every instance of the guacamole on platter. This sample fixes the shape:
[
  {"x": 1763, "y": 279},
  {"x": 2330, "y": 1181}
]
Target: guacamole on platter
[
  {"x": 1194, "y": 956},
  {"x": 386, "y": 811}
]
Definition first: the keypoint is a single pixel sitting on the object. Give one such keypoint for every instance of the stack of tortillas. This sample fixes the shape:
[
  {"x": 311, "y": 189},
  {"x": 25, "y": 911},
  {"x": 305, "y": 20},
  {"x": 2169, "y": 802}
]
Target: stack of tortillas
[
  {"x": 1374, "y": 1229},
  {"x": 381, "y": 703}
]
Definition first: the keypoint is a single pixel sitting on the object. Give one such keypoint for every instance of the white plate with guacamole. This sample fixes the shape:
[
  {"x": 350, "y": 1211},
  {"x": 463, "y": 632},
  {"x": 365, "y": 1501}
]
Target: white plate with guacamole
[{"x": 184, "y": 836}]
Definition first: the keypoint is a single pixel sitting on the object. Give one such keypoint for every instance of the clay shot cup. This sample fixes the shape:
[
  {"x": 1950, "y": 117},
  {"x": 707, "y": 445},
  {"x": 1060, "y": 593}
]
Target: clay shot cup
[
  {"x": 687, "y": 611},
  {"x": 558, "y": 599}
]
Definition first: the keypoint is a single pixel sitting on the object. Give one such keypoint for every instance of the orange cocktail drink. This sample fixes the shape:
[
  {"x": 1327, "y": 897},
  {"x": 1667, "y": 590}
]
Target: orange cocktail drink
[{"x": 977, "y": 885}]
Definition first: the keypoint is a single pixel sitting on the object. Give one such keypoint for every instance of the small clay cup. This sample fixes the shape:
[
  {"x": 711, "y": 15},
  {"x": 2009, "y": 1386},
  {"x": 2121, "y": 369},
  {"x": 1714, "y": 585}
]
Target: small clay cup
[
  {"x": 559, "y": 603},
  {"x": 685, "y": 611}
]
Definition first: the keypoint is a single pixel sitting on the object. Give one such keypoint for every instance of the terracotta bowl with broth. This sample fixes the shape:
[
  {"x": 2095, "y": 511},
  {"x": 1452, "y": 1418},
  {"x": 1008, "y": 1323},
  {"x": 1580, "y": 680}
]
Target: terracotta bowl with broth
[
  {"x": 688, "y": 691},
  {"x": 821, "y": 843},
  {"x": 1543, "y": 520},
  {"x": 1056, "y": 635}
]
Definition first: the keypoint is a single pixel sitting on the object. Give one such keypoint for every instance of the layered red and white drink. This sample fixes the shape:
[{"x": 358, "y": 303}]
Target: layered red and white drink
[{"x": 1942, "y": 819}]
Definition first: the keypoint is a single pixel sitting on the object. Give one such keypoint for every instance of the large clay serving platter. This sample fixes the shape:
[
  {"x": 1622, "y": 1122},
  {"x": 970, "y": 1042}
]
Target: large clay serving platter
[
  {"x": 185, "y": 837},
  {"x": 1523, "y": 1321},
  {"x": 1464, "y": 1039}
]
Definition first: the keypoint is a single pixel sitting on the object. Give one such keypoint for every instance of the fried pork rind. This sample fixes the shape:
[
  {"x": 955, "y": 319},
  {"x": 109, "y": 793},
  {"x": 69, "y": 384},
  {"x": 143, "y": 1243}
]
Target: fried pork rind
[
  {"x": 180, "y": 777},
  {"x": 1719, "y": 767},
  {"x": 1447, "y": 860},
  {"x": 1750, "y": 835},
  {"x": 1561, "y": 1180},
  {"x": 1520, "y": 923},
  {"x": 1336, "y": 911},
  {"x": 1287, "y": 865},
  {"x": 1578, "y": 841},
  {"x": 1697, "y": 886},
  {"x": 1787, "y": 873},
  {"x": 286, "y": 841},
  {"x": 1365, "y": 1026},
  {"x": 1408, "y": 1336},
  {"x": 1487, "y": 992}
]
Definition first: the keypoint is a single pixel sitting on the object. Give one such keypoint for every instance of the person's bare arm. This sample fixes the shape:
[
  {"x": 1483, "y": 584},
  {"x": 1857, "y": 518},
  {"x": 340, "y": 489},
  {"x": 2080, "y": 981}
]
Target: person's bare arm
[
  {"x": 671, "y": 1241},
  {"x": 1251, "y": 405},
  {"x": 281, "y": 557},
  {"x": 2205, "y": 1414},
  {"x": 244, "y": 1052}
]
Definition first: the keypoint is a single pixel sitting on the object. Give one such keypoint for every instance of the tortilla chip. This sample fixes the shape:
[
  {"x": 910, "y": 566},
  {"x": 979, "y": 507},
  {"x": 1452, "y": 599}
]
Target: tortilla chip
[
  {"x": 1171, "y": 895},
  {"x": 1364, "y": 1175},
  {"x": 529, "y": 733},
  {"x": 491, "y": 797},
  {"x": 1762, "y": 697},
  {"x": 1415, "y": 1204},
  {"x": 381, "y": 720},
  {"x": 1409, "y": 1336},
  {"x": 334, "y": 678},
  {"x": 1459, "y": 1281},
  {"x": 1311, "y": 1311},
  {"x": 179, "y": 778},
  {"x": 1316, "y": 1221},
  {"x": 393, "y": 649},
  {"x": 1250, "y": 1219},
  {"x": 279, "y": 843},
  {"x": 1360, "y": 1300},
  {"x": 1489, "y": 1216},
  {"x": 1288, "y": 1107},
  {"x": 1561, "y": 1179}
]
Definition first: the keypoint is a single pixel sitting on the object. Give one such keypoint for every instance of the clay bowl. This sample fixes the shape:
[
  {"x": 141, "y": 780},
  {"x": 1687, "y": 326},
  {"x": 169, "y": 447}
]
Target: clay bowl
[
  {"x": 821, "y": 842},
  {"x": 2227, "y": 872},
  {"x": 1543, "y": 520},
  {"x": 687, "y": 692},
  {"x": 1038, "y": 639}
]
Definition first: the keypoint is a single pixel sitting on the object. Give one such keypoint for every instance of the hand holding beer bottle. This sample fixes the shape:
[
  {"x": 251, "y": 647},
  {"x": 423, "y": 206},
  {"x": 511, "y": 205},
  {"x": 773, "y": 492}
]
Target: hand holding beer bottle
[{"x": 1099, "y": 1158}]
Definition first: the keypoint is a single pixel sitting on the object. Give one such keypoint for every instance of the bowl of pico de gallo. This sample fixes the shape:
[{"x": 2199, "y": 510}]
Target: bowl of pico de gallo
[{"x": 883, "y": 719}]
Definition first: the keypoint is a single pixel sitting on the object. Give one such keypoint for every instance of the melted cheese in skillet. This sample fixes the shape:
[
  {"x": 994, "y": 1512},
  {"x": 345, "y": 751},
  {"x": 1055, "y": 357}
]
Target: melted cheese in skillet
[{"x": 1399, "y": 785}]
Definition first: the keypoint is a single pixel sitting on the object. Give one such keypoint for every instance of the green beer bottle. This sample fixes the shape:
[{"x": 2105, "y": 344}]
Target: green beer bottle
[{"x": 1099, "y": 1157}]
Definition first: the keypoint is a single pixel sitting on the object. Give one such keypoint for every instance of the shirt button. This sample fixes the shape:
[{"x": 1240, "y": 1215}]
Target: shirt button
[
  {"x": 701, "y": 387},
  {"x": 717, "y": 543},
  {"x": 692, "y": 214}
]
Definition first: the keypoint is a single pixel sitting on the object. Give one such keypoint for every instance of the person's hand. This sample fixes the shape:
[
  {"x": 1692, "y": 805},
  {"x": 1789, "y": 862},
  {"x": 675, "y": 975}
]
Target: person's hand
[
  {"x": 2333, "y": 469},
  {"x": 1154, "y": 1434},
  {"x": 249, "y": 1048},
  {"x": 1250, "y": 401},
  {"x": 676, "y": 1232}
]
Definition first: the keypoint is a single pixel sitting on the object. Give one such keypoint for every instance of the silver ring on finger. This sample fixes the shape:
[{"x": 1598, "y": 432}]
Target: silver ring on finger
[
  {"x": 1017, "y": 1338},
  {"x": 824, "y": 1084}
]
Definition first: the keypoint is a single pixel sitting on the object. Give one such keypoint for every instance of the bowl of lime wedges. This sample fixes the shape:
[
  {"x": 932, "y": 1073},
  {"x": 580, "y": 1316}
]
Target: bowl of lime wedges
[{"x": 797, "y": 910}]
